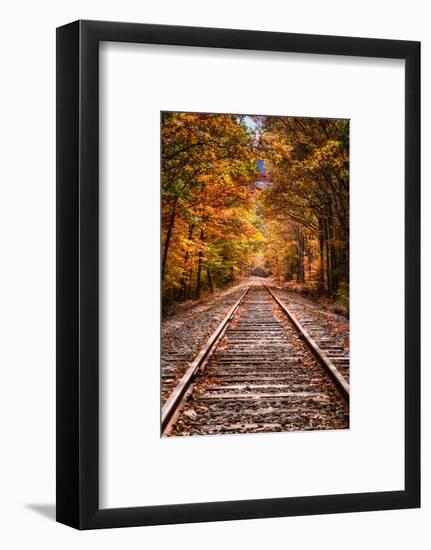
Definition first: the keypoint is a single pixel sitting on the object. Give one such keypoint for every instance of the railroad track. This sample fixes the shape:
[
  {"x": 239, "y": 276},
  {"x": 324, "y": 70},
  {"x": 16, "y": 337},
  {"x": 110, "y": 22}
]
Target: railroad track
[
  {"x": 177, "y": 355},
  {"x": 265, "y": 368},
  {"x": 332, "y": 345}
]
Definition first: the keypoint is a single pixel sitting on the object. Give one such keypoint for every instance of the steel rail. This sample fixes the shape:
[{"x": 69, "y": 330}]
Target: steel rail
[
  {"x": 338, "y": 378},
  {"x": 198, "y": 363}
]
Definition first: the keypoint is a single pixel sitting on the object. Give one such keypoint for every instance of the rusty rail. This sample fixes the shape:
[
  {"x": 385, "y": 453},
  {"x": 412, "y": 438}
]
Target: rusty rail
[
  {"x": 197, "y": 365},
  {"x": 338, "y": 378}
]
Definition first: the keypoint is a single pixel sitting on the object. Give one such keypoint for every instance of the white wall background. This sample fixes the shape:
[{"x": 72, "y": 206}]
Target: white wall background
[
  {"x": 27, "y": 274},
  {"x": 366, "y": 92}
]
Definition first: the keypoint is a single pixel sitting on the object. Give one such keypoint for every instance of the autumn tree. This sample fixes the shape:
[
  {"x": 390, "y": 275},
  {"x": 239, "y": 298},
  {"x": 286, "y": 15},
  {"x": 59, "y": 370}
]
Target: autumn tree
[
  {"x": 208, "y": 175},
  {"x": 307, "y": 196},
  {"x": 224, "y": 216}
]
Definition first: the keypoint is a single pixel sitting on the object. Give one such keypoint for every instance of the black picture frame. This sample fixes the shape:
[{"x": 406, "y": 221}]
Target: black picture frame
[{"x": 78, "y": 274}]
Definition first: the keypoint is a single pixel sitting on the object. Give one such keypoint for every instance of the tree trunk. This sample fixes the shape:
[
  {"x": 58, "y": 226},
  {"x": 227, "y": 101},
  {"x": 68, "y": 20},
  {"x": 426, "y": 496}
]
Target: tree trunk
[
  {"x": 188, "y": 289},
  {"x": 301, "y": 257},
  {"x": 347, "y": 263},
  {"x": 322, "y": 258},
  {"x": 328, "y": 262},
  {"x": 334, "y": 268},
  {"x": 310, "y": 261},
  {"x": 300, "y": 245},
  {"x": 210, "y": 282},
  {"x": 168, "y": 236},
  {"x": 183, "y": 283},
  {"x": 199, "y": 272}
]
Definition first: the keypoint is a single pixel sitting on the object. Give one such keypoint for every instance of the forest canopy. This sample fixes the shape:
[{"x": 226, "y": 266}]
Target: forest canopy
[{"x": 260, "y": 195}]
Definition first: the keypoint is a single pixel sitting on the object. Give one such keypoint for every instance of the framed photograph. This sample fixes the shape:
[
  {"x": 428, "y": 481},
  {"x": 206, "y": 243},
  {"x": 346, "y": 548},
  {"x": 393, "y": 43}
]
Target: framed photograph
[{"x": 238, "y": 254}]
